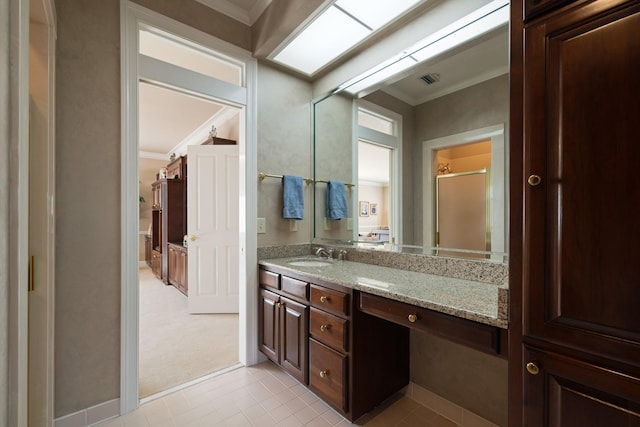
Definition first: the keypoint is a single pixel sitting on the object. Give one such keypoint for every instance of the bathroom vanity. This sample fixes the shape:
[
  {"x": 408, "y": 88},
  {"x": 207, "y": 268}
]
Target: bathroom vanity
[{"x": 342, "y": 328}]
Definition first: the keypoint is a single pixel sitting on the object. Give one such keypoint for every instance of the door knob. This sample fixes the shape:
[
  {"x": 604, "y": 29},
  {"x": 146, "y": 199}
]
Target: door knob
[
  {"x": 532, "y": 368},
  {"x": 192, "y": 237},
  {"x": 534, "y": 180}
]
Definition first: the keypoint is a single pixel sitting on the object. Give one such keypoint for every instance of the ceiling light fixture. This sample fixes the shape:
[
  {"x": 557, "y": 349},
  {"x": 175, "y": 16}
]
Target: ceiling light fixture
[
  {"x": 341, "y": 26},
  {"x": 475, "y": 24}
]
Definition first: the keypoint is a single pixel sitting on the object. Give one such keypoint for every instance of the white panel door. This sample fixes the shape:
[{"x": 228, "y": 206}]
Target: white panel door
[{"x": 213, "y": 227}]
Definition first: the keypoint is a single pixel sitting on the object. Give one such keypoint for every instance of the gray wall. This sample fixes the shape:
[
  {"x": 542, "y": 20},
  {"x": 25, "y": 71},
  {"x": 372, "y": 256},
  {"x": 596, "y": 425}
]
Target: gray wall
[
  {"x": 284, "y": 147},
  {"x": 471, "y": 379},
  {"x": 87, "y": 345}
]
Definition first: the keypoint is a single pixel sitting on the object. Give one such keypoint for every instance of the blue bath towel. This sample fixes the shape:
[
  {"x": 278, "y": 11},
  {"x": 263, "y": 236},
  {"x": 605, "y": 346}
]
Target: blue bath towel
[
  {"x": 292, "y": 197},
  {"x": 336, "y": 200}
]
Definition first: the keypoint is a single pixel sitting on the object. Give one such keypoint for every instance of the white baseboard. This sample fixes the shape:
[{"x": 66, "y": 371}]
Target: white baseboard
[{"x": 90, "y": 416}]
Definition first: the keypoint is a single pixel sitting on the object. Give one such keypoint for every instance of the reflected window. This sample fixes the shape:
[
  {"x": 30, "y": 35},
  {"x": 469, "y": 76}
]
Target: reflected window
[{"x": 379, "y": 147}]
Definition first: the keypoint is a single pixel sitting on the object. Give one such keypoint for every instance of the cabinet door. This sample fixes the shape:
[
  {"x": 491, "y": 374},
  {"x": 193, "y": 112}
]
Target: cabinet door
[
  {"x": 576, "y": 393},
  {"x": 268, "y": 327},
  {"x": 582, "y": 223},
  {"x": 183, "y": 272},
  {"x": 294, "y": 330}
]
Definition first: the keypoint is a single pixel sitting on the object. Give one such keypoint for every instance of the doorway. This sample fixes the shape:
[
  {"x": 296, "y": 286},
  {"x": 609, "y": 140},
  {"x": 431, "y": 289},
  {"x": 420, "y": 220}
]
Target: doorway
[
  {"x": 176, "y": 345},
  {"x": 239, "y": 94}
]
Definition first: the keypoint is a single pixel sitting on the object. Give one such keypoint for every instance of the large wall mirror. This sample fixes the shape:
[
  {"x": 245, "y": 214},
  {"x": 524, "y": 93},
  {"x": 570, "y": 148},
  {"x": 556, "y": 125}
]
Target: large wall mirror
[{"x": 422, "y": 147}]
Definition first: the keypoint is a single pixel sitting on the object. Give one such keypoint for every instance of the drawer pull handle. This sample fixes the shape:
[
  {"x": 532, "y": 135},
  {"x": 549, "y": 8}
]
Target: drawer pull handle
[
  {"x": 412, "y": 318},
  {"x": 279, "y": 304},
  {"x": 324, "y": 374},
  {"x": 324, "y": 328},
  {"x": 532, "y": 368},
  {"x": 324, "y": 298}
]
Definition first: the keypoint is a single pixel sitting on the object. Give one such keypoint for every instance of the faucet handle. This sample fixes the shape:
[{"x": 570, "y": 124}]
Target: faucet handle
[
  {"x": 330, "y": 253},
  {"x": 342, "y": 254}
]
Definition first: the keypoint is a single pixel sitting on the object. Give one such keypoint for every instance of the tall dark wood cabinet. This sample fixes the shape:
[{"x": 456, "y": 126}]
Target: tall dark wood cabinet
[{"x": 575, "y": 225}]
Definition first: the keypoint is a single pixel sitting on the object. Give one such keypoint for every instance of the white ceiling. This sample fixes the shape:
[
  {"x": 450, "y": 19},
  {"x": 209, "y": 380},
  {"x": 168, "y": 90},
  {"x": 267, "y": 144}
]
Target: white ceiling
[{"x": 167, "y": 118}]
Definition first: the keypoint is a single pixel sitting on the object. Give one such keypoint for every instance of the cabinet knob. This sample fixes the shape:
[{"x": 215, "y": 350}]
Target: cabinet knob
[
  {"x": 278, "y": 304},
  {"x": 324, "y": 328},
  {"x": 532, "y": 368},
  {"x": 192, "y": 237},
  {"x": 412, "y": 318},
  {"x": 324, "y": 298},
  {"x": 534, "y": 180},
  {"x": 324, "y": 374}
]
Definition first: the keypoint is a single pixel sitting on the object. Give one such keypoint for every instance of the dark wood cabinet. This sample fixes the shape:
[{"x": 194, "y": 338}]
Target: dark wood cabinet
[
  {"x": 168, "y": 219},
  {"x": 148, "y": 248},
  {"x": 177, "y": 274},
  {"x": 283, "y": 333},
  {"x": 574, "y": 331},
  {"x": 177, "y": 169},
  {"x": 156, "y": 263},
  {"x": 351, "y": 359}
]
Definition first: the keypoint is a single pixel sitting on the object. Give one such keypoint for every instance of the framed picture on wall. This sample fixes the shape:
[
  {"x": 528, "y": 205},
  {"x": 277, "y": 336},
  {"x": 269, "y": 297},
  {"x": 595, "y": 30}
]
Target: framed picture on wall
[
  {"x": 373, "y": 209},
  {"x": 363, "y": 208}
]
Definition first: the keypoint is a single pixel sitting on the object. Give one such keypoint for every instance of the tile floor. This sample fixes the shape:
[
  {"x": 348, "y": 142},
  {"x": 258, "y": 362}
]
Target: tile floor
[{"x": 264, "y": 396}]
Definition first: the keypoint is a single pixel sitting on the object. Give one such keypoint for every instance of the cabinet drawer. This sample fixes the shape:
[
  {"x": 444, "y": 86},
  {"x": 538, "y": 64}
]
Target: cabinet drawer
[
  {"x": 328, "y": 374},
  {"x": 329, "y": 300},
  {"x": 329, "y": 329},
  {"x": 269, "y": 279},
  {"x": 294, "y": 287},
  {"x": 473, "y": 334}
]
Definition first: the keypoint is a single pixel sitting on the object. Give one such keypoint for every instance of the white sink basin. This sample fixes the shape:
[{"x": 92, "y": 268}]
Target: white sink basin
[{"x": 309, "y": 263}]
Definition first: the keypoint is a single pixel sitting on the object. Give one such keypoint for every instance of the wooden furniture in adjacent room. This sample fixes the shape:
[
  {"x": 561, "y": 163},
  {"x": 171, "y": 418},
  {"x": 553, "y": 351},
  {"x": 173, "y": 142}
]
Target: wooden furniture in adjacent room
[
  {"x": 147, "y": 249},
  {"x": 574, "y": 281},
  {"x": 178, "y": 267}
]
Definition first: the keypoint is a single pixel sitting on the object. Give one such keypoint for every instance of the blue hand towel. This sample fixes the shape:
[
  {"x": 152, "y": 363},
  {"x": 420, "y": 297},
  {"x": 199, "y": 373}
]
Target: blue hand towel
[
  {"x": 336, "y": 200},
  {"x": 293, "y": 197}
]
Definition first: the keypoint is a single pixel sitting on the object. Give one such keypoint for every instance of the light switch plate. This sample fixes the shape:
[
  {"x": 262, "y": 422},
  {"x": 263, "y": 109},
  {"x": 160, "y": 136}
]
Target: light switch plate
[
  {"x": 262, "y": 226},
  {"x": 349, "y": 223}
]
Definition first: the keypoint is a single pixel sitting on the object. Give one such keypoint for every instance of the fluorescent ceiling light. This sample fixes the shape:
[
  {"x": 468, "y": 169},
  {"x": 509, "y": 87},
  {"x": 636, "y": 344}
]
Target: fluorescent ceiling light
[
  {"x": 375, "y": 13},
  {"x": 339, "y": 28},
  {"x": 473, "y": 25}
]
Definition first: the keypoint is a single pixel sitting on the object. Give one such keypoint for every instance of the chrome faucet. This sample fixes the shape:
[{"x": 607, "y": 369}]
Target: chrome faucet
[{"x": 325, "y": 252}]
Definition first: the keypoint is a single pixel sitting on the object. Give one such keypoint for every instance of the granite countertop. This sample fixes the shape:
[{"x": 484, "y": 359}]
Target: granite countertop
[{"x": 481, "y": 302}]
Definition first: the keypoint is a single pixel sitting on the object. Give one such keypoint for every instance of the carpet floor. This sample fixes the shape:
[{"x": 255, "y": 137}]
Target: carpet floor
[{"x": 175, "y": 346}]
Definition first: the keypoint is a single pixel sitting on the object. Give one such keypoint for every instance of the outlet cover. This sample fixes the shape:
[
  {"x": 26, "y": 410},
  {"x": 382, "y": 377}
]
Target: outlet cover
[{"x": 262, "y": 226}]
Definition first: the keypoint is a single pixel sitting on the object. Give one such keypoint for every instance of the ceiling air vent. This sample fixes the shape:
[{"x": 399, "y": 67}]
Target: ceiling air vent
[{"x": 430, "y": 78}]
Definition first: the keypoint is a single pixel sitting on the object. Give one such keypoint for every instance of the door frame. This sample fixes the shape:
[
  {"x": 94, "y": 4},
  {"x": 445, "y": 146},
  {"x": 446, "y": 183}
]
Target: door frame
[
  {"x": 17, "y": 214},
  {"x": 131, "y": 16}
]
